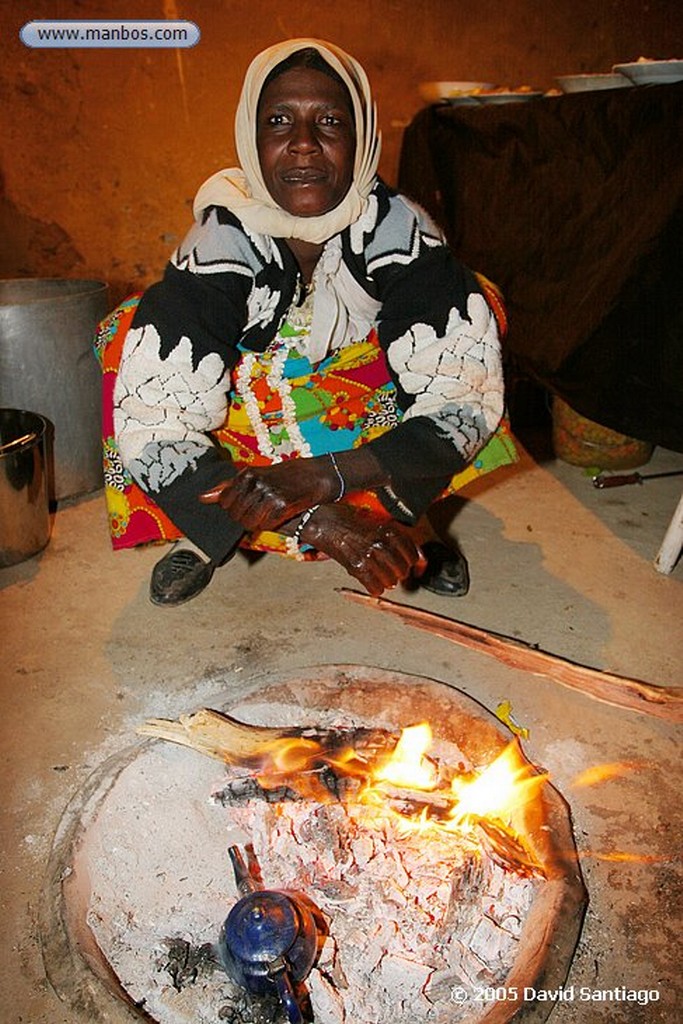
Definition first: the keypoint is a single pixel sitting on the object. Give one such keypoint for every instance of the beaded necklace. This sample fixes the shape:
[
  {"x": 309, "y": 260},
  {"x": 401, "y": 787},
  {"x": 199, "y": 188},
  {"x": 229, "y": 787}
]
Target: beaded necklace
[{"x": 271, "y": 364}]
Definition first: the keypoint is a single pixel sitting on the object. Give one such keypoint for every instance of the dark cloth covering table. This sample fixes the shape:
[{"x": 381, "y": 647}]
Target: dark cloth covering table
[{"x": 574, "y": 206}]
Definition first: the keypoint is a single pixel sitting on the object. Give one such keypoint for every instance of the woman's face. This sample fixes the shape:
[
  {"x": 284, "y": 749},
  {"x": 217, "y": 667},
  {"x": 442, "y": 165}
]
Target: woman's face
[{"x": 306, "y": 141}]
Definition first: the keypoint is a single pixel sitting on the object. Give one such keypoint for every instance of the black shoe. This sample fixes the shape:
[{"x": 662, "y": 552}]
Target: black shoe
[
  {"x": 446, "y": 573},
  {"x": 178, "y": 577}
]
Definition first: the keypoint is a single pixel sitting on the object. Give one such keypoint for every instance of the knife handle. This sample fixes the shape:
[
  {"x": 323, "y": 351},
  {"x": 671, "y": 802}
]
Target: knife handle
[{"x": 618, "y": 480}]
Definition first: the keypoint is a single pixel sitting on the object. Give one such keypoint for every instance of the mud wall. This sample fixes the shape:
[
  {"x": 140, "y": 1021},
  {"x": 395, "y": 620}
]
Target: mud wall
[{"x": 103, "y": 150}]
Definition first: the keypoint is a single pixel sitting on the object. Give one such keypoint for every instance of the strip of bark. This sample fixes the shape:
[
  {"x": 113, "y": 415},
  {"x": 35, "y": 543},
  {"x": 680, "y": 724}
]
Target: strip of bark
[{"x": 618, "y": 691}]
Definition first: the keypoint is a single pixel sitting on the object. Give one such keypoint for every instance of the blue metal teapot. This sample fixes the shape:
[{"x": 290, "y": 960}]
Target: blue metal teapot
[{"x": 269, "y": 940}]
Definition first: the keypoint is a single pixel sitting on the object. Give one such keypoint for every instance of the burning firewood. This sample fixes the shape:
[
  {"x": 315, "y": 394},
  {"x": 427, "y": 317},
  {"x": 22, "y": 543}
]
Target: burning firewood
[
  {"x": 502, "y": 844},
  {"x": 241, "y": 788},
  {"x": 218, "y": 735},
  {"x": 301, "y": 760},
  {"x": 388, "y": 775},
  {"x": 508, "y": 850}
]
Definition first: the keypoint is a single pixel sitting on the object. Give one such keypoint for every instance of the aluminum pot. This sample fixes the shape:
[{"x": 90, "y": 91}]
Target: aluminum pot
[{"x": 46, "y": 362}]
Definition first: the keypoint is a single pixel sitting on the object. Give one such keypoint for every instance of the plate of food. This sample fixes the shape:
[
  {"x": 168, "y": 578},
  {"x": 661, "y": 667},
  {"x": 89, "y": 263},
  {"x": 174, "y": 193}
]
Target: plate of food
[
  {"x": 453, "y": 92},
  {"x": 504, "y": 94},
  {"x": 646, "y": 71}
]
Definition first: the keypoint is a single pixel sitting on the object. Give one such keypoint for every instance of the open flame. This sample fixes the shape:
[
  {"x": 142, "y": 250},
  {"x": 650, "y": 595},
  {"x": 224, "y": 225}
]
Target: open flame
[
  {"x": 408, "y": 765},
  {"x": 497, "y": 807},
  {"x": 504, "y": 788},
  {"x": 418, "y": 791}
]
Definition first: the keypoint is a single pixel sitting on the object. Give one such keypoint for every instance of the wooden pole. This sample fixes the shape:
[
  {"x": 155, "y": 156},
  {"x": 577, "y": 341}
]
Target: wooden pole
[
  {"x": 619, "y": 691},
  {"x": 672, "y": 545}
]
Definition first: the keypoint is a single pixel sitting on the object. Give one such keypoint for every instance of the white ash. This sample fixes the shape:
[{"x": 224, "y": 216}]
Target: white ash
[{"x": 408, "y": 915}]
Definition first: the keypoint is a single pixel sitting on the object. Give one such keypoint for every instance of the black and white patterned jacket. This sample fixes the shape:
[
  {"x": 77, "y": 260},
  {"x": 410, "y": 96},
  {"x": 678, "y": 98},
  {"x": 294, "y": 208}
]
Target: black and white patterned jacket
[{"x": 226, "y": 286}]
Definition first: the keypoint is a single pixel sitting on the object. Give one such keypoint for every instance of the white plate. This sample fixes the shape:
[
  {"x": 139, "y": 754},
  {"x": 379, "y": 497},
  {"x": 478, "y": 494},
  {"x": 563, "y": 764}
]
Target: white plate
[
  {"x": 433, "y": 92},
  {"x": 591, "y": 83},
  {"x": 462, "y": 101},
  {"x": 652, "y": 72},
  {"x": 507, "y": 97}
]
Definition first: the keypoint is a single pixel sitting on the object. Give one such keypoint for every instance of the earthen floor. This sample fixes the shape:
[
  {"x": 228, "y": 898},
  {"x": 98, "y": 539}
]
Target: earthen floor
[{"x": 86, "y": 658}]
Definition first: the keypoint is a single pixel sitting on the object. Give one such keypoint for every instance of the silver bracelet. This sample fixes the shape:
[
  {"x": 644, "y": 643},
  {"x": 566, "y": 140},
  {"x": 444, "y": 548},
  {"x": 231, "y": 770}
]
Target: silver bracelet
[
  {"x": 342, "y": 482},
  {"x": 308, "y": 514}
]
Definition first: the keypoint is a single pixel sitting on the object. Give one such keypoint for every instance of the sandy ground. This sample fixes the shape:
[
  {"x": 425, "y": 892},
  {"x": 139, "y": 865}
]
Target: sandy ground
[{"x": 554, "y": 562}]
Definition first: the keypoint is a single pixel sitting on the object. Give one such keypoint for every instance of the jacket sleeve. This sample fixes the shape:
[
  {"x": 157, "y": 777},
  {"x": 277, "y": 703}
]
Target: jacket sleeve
[
  {"x": 443, "y": 351},
  {"x": 174, "y": 379}
]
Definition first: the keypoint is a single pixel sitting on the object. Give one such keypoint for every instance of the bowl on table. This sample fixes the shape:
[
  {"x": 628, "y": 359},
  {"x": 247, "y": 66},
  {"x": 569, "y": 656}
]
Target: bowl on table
[
  {"x": 592, "y": 83},
  {"x": 652, "y": 72}
]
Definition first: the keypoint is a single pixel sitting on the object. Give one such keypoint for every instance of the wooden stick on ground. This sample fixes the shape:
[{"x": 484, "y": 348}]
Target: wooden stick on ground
[{"x": 619, "y": 691}]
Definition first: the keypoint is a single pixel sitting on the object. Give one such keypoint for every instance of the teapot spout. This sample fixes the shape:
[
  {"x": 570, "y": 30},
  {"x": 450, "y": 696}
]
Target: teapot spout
[{"x": 246, "y": 882}]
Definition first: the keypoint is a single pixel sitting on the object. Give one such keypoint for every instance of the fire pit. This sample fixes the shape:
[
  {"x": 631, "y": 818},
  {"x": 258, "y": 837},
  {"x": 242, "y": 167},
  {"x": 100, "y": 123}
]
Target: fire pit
[{"x": 435, "y": 898}]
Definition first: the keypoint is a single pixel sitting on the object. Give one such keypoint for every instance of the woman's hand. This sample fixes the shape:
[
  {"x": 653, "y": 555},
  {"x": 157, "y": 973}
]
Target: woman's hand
[
  {"x": 264, "y": 497},
  {"x": 377, "y": 553}
]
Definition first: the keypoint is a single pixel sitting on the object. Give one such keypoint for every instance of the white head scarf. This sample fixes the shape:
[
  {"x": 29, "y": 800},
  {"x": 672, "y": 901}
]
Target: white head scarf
[{"x": 242, "y": 189}]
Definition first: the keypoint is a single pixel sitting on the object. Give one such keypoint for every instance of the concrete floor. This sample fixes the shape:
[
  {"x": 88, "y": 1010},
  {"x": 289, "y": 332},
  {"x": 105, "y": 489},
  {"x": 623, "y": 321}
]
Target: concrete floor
[{"x": 555, "y": 562}]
